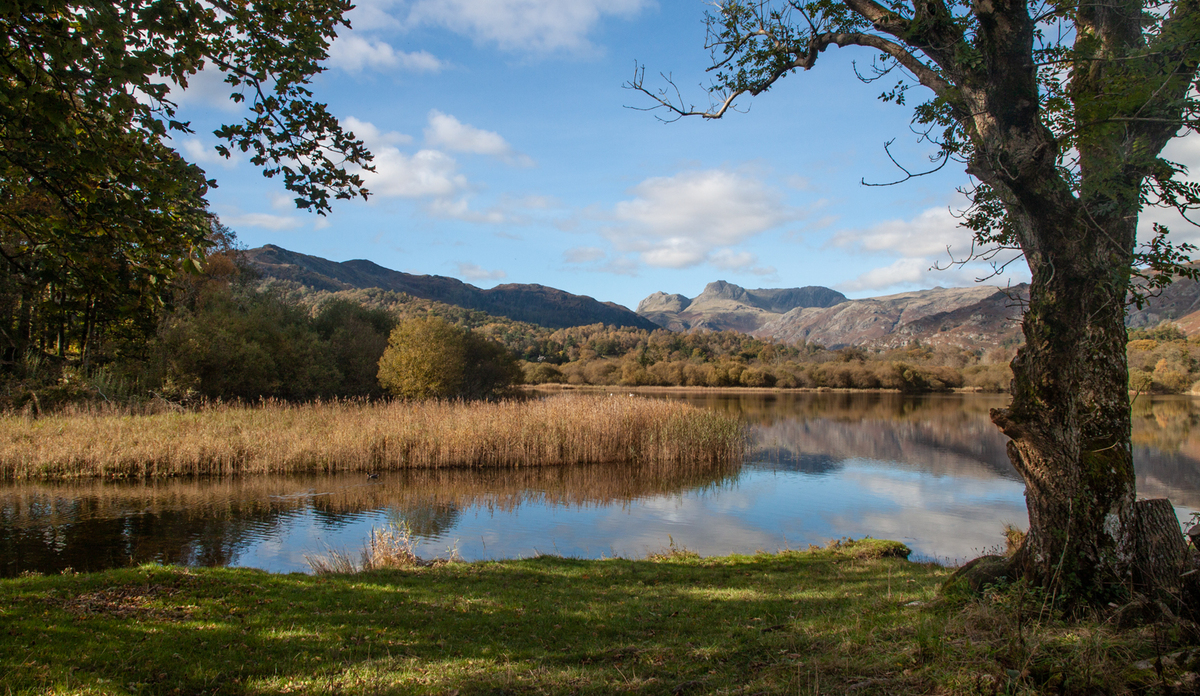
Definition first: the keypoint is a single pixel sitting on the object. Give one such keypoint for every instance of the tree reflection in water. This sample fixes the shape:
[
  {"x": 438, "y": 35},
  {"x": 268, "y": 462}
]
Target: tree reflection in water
[{"x": 93, "y": 525}]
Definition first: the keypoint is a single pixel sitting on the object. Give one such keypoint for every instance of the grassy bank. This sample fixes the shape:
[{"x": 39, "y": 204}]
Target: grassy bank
[
  {"x": 830, "y": 621},
  {"x": 356, "y": 436}
]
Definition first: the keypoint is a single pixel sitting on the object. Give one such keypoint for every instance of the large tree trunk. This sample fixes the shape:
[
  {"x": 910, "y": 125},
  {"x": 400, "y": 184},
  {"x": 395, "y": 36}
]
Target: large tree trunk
[{"x": 1069, "y": 421}]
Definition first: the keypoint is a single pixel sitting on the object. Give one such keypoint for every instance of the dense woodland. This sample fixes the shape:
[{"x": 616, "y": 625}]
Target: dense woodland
[{"x": 225, "y": 333}]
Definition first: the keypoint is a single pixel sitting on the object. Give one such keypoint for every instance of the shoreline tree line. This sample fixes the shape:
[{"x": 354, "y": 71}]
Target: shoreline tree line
[{"x": 224, "y": 333}]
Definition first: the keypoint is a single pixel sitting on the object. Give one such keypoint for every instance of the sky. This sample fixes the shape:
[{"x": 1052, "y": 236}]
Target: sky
[{"x": 508, "y": 150}]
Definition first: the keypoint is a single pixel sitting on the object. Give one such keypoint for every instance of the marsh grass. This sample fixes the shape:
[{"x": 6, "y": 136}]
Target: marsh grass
[
  {"x": 276, "y": 437},
  {"x": 837, "y": 620},
  {"x": 391, "y": 546}
]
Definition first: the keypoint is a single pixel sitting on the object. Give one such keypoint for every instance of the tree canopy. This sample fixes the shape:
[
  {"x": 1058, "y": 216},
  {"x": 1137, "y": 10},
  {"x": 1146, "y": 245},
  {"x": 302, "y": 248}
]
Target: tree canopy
[
  {"x": 1059, "y": 110},
  {"x": 97, "y": 209},
  {"x": 430, "y": 358}
]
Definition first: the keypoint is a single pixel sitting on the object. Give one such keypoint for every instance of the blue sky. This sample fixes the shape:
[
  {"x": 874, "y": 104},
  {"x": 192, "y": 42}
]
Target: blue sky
[{"x": 506, "y": 153}]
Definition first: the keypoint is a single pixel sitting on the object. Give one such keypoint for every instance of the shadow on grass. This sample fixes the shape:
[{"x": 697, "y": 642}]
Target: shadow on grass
[{"x": 791, "y": 622}]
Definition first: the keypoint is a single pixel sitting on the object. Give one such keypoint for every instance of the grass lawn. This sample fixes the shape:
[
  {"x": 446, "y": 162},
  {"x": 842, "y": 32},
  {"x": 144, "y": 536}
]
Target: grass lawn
[{"x": 831, "y": 621}]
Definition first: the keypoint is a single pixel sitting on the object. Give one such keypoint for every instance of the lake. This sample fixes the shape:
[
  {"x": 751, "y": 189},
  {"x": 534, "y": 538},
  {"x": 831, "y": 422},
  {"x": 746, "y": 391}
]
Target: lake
[{"x": 930, "y": 471}]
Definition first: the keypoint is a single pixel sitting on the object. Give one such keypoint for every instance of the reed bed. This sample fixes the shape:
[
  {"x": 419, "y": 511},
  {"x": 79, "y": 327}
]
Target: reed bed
[{"x": 352, "y": 436}]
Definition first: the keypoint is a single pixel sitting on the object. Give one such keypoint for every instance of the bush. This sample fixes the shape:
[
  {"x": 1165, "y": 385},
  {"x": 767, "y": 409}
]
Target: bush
[
  {"x": 356, "y": 338},
  {"x": 913, "y": 378},
  {"x": 542, "y": 373},
  {"x": 429, "y": 358},
  {"x": 989, "y": 378},
  {"x": 242, "y": 345}
]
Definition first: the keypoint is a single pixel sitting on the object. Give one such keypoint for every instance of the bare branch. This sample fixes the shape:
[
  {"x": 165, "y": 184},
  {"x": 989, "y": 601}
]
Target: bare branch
[
  {"x": 945, "y": 157},
  {"x": 674, "y": 104},
  {"x": 806, "y": 57}
]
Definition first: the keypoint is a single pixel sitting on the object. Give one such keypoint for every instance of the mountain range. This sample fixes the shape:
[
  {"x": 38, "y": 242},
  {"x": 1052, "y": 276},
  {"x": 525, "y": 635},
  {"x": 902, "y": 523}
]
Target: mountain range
[
  {"x": 973, "y": 318},
  {"x": 536, "y": 304}
]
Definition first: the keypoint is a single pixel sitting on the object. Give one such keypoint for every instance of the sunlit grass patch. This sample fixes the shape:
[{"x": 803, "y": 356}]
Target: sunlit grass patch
[{"x": 821, "y": 621}]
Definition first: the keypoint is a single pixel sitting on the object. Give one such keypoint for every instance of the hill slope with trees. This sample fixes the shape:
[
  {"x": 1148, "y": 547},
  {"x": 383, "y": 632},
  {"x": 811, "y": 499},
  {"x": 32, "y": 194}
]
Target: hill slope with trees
[{"x": 536, "y": 304}]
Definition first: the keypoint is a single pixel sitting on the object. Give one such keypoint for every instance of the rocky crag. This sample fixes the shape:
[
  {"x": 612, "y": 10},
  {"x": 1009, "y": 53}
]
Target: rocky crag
[
  {"x": 980, "y": 317},
  {"x": 975, "y": 317}
]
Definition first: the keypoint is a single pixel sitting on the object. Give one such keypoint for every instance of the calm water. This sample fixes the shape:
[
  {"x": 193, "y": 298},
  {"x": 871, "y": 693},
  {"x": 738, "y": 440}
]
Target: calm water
[{"x": 930, "y": 471}]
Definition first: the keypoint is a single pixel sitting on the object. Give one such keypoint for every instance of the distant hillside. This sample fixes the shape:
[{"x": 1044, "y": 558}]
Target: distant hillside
[
  {"x": 536, "y": 304},
  {"x": 973, "y": 318},
  {"x": 976, "y": 317},
  {"x": 1179, "y": 303},
  {"x": 979, "y": 317}
]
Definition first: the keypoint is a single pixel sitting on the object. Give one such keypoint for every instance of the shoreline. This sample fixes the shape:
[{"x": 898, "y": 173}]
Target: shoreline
[{"x": 645, "y": 389}]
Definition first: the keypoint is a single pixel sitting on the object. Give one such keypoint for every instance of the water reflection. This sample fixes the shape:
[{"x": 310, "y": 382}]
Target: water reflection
[
  {"x": 94, "y": 525},
  {"x": 930, "y": 471}
]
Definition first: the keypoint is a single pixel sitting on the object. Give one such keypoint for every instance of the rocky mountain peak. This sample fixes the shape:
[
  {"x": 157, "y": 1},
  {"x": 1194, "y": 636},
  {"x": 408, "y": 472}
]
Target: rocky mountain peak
[
  {"x": 724, "y": 291},
  {"x": 663, "y": 302}
]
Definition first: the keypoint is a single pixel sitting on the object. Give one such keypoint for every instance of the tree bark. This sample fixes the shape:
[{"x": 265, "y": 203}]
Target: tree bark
[
  {"x": 1160, "y": 551},
  {"x": 1069, "y": 419}
]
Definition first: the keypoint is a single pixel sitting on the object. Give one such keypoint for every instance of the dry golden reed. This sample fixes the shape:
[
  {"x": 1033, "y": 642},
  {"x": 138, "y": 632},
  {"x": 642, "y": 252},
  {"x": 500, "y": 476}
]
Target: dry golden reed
[{"x": 343, "y": 436}]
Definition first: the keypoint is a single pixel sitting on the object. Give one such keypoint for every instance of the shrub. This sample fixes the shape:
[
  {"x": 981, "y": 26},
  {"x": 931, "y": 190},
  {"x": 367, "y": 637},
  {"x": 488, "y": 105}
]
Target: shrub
[
  {"x": 601, "y": 371},
  {"x": 542, "y": 373},
  {"x": 989, "y": 378},
  {"x": 914, "y": 378},
  {"x": 428, "y": 357},
  {"x": 242, "y": 345},
  {"x": 754, "y": 377},
  {"x": 356, "y": 338}
]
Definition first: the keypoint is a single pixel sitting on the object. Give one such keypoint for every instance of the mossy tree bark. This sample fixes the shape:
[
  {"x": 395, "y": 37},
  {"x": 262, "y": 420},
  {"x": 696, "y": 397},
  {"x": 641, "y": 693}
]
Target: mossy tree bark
[{"x": 1069, "y": 419}]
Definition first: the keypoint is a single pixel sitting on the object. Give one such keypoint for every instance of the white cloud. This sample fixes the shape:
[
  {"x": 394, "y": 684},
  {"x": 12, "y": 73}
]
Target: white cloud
[
  {"x": 198, "y": 152},
  {"x": 536, "y": 202},
  {"x": 424, "y": 174},
  {"x": 621, "y": 266},
  {"x": 372, "y": 136},
  {"x": 509, "y": 210},
  {"x": 283, "y": 201},
  {"x": 523, "y": 25},
  {"x": 739, "y": 261},
  {"x": 926, "y": 235},
  {"x": 916, "y": 272},
  {"x": 681, "y": 221},
  {"x": 461, "y": 210},
  {"x": 1185, "y": 151},
  {"x": 206, "y": 88},
  {"x": 427, "y": 173},
  {"x": 921, "y": 244},
  {"x": 472, "y": 271},
  {"x": 583, "y": 255},
  {"x": 354, "y": 54},
  {"x": 448, "y": 132},
  {"x": 374, "y": 15},
  {"x": 264, "y": 220}
]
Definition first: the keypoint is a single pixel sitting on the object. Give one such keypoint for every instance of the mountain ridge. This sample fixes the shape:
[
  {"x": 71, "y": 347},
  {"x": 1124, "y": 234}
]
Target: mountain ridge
[{"x": 533, "y": 303}]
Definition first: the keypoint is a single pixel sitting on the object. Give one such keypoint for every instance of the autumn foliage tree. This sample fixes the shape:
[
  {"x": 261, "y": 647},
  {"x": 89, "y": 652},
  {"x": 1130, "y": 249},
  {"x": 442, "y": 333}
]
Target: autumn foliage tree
[
  {"x": 1059, "y": 110},
  {"x": 430, "y": 358}
]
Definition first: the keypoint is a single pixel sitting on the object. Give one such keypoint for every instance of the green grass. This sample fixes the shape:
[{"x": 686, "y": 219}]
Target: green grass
[{"x": 829, "y": 621}]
